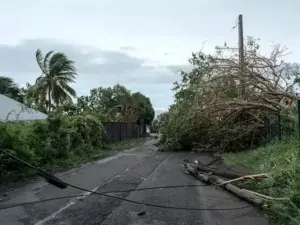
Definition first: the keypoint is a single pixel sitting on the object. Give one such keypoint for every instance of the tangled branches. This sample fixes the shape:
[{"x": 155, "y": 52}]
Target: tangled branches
[{"x": 222, "y": 102}]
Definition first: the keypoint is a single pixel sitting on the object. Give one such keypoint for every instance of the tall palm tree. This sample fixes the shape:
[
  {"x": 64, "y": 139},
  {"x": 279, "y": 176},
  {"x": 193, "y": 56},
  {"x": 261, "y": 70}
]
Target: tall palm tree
[
  {"x": 10, "y": 89},
  {"x": 58, "y": 71}
]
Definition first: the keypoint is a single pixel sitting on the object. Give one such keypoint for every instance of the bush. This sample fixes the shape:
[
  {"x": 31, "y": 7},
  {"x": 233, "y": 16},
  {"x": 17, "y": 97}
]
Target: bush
[
  {"x": 181, "y": 131},
  {"x": 47, "y": 143},
  {"x": 83, "y": 130}
]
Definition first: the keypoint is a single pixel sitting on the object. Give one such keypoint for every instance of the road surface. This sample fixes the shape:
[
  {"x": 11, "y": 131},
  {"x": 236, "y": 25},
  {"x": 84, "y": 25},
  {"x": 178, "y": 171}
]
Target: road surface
[{"x": 139, "y": 167}]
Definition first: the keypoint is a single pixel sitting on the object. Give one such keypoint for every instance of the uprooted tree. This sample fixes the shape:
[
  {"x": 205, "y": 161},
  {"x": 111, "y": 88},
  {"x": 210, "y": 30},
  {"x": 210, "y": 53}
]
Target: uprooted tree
[{"x": 221, "y": 103}]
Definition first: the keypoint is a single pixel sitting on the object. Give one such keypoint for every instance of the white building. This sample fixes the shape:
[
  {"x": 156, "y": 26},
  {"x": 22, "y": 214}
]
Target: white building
[{"x": 11, "y": 110}]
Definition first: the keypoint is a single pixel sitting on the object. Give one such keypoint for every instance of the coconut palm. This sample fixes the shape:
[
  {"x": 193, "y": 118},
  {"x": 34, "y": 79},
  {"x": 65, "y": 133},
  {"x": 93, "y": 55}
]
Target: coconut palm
[
  {"x": 52, "y": 86},
  {"x": 9, "y": 88}
]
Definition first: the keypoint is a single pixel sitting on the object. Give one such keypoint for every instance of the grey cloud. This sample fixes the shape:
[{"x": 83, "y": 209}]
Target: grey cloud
[
  {"x": 96, "y": 68},
  {"x": 94, "y": 65},
  {"x": 178, "y": 68},
  {"x": 127, "y": 48},
  {"x": 21, "y": 58}
]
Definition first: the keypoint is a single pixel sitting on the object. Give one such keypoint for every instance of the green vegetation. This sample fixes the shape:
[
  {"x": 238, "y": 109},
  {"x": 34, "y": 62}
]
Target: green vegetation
[
  {"x": 157, "y": 123},
  {"x": 57, "y": 71},
  {"x": 48, "y": 144},
  {"x": 53, "y": 144},
  {"x": 225, "y": 105},
  {"x": 10, "y": 89},
  {"x": 73, "y": 132},
  {"x": 281, "y": 161},
  {"x": 117, "y": 103},
  {"x": 221, "y": 106},
  {"x": 125, "y": 144}
]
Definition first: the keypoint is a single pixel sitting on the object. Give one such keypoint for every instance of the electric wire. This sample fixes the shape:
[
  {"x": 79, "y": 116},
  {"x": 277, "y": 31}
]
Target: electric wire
[
  {"x": 110, "y": 192},
  {"x": 115, "y": 197}
]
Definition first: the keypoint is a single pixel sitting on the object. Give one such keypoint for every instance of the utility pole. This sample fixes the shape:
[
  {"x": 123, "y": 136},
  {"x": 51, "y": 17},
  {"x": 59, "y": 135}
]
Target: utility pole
[
  {"x": 241, "y": 49},
  {"x": 241, "y": 40}
]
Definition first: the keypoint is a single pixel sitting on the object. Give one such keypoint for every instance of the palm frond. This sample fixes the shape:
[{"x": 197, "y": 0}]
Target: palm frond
[
  {"x": 59, "y": 94},
  {"x": 63, "y": 68},
  {"x": 69, "y": 67},
  {"x": 65, "y": 79},
  {"x": 39, "y": 59},
  {"x": 56, "y": 61},
  {"x": 46, "y": 60},
  {"x": 70, "y": 91}
]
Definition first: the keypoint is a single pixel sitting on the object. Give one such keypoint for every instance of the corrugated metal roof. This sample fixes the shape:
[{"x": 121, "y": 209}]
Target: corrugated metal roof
[{"x": 11, "y": 110}]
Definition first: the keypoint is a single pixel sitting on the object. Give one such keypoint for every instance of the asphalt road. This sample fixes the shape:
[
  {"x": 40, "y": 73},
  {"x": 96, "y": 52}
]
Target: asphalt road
[{"x": 135, "y": 168}]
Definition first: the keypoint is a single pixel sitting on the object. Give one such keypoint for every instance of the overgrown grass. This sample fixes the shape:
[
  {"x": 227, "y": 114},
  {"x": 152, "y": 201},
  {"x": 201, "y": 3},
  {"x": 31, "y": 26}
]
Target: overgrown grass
[{"x": 281, "y": 161}]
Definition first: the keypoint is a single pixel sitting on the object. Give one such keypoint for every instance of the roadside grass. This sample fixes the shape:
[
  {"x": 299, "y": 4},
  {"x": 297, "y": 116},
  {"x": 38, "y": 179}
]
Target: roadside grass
[
  {"x": 22, "y": 173},
  {"x": 126, "y": 144},
  {"x": 281, "y": 161}
]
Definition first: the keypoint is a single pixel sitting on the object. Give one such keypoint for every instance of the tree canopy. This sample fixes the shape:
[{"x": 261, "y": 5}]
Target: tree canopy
[
  {"x": 117, "y": 103},
  {"x": 10, "y": 89}
]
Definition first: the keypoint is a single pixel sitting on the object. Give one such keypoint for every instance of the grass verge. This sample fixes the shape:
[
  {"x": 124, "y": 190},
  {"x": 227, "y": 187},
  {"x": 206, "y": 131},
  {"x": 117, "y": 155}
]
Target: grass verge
[
  {"x": 126, "y": 144},
  {"x": 24, "y": 173},
  {"x": 281, "y": 161}
]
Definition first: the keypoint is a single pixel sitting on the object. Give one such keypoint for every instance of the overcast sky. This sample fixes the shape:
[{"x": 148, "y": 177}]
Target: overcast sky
[{"x": 137, "y": 43}]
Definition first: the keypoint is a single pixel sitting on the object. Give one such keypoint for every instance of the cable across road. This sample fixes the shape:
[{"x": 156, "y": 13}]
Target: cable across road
[{"x": 107, "y": 193}]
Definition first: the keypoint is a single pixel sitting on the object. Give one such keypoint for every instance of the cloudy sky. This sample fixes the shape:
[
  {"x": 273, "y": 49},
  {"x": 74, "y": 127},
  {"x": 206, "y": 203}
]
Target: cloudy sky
[{"x": 137, "y": 43}]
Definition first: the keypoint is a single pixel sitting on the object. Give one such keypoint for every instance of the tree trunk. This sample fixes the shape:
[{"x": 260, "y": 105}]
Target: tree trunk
[
  {"x": 210, "y": 179},
  {"x": 230, "y": 175},
  {"x": 49, "y": 100}
]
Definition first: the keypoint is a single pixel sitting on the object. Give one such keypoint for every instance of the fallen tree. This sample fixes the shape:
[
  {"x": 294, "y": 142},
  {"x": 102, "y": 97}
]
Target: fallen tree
[
  {"x": 222, "y": 104},
  {"x": 211, "y": 179}
]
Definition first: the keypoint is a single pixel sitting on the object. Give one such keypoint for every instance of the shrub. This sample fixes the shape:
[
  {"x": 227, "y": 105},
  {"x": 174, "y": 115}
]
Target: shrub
[
  {"x": 50, "y": 142},
  {"x": 83, "y": 130}
]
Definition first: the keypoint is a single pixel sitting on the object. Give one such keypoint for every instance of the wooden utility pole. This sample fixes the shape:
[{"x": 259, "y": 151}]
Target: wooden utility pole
[
  {"x": 241, "y": 40},
  {"x": 241, "y": 49}
]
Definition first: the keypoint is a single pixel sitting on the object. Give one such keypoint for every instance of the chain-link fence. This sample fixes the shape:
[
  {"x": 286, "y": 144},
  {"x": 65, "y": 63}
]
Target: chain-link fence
[{"x": 283, "y": 125}]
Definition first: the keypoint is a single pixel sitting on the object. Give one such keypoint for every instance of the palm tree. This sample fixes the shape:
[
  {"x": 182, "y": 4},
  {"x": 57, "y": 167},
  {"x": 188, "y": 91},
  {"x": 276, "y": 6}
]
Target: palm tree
[
  {"x": 10, "y": 89},
  {"x": 52, "y": 86}
]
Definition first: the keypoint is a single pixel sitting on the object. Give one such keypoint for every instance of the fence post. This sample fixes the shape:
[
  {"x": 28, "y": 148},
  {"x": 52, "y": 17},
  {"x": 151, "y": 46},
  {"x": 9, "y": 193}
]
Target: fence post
[
  {"x": 279, "y": 126},
  {"x": 298, "y": 113}
]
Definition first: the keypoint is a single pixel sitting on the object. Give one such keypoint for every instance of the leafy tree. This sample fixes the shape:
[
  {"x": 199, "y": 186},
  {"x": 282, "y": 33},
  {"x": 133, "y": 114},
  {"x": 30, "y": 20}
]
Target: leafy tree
[
  {"x": 10, "y": 89},
  {"x": 52, "y": 87},
  {"x": 30, "y": 99},
  {"x": 157, "y": 122},
  {"x": 143, "y": 107},
  {"x": 114, "y": 101},
  {"x": 118, "y": 104}
]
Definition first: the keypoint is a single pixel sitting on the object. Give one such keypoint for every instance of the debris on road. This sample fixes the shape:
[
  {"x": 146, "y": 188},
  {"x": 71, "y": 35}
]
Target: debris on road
[
  {"x": 261, "y": 175},
  {"x": 208, "y": 175}
]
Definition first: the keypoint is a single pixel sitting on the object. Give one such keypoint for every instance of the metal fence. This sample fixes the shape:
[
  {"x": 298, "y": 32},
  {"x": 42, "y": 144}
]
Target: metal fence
[
  {"x": 121, "y": 131},
  {"x": 285, "y": 124}
]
